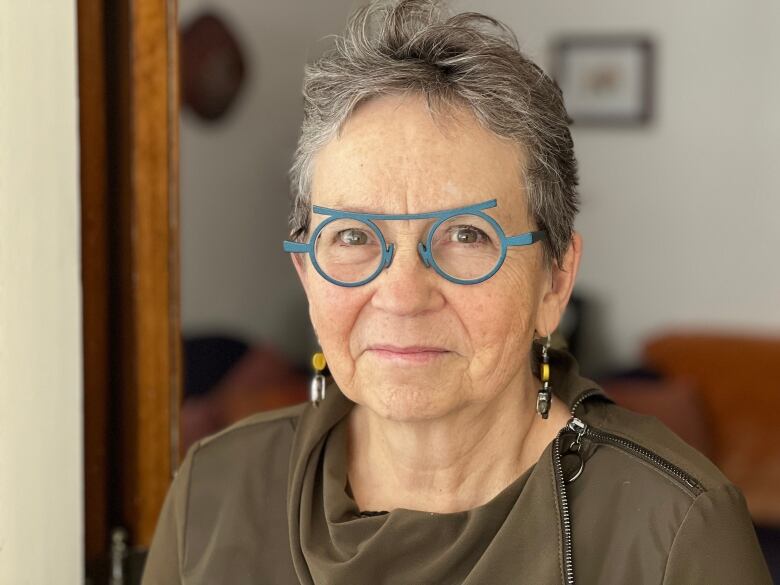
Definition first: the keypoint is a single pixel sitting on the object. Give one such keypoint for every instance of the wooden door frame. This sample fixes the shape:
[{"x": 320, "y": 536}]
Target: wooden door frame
[{"x": 129, "y": 120}]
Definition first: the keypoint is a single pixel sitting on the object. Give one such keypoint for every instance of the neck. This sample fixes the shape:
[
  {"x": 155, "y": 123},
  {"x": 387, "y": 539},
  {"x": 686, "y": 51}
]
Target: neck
[{"x": 453, "y": 463}]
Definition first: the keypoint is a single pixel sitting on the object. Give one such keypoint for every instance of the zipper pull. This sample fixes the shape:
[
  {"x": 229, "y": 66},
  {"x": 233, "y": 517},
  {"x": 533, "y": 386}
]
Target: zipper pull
[{"x": 577, "y": 426}]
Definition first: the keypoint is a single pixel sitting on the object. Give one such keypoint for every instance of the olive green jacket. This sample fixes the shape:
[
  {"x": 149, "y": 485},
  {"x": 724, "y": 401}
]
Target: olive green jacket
[{"x": 644, "y": 508}]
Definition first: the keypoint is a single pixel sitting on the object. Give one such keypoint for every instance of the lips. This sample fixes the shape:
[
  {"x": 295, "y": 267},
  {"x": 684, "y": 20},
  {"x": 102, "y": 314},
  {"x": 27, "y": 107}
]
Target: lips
[
  {"x": 409, "y": 349},
  {"x": 411, "y": 354}
]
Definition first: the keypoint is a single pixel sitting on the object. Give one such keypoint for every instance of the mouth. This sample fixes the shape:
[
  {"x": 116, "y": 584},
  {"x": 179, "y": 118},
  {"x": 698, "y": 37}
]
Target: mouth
[{"x": 408, "y": 354}]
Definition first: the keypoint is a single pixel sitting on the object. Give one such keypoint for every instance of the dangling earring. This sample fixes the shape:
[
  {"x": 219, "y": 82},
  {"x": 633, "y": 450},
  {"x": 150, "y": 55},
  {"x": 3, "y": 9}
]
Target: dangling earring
[
  {"x": 317, "y": 389},
  {"x": 544, "y": 397}
]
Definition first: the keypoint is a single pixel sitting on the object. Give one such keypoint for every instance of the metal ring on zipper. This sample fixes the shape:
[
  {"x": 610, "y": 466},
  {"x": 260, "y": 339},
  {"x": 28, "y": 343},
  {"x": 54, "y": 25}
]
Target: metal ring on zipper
[
  {"x": 574, "y": 451},
  {"x": 578, "y": 473}
]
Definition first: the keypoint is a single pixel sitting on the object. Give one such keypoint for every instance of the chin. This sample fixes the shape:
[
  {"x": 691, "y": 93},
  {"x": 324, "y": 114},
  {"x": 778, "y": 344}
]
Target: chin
[{"x": 408, "y": 401}]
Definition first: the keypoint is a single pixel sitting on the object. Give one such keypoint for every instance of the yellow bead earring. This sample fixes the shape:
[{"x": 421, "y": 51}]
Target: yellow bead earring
[
  {"x": 544, "y": 397},
  {"x": 317, "y": 389}
]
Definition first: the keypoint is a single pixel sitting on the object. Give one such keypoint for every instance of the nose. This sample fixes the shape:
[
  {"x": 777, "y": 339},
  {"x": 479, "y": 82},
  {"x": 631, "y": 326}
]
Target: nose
[{"x": 407, "y": 286}]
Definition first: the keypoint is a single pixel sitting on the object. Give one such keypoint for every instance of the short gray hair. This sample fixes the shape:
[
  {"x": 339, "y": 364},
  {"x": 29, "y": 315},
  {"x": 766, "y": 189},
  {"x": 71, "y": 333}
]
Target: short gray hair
[{"x": 469, "y": 59}]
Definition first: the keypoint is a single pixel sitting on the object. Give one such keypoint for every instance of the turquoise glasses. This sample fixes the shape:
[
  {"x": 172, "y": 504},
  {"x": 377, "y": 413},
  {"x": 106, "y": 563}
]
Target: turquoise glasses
[{"x": 464, "y": 245}]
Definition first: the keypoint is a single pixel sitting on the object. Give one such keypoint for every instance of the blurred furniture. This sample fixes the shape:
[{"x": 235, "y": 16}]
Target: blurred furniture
[
  {"x": 738, "y": 380},
  {"x": 227, "y": 380},
  {"x": 207, "y": 359},
  {"x": 721, "y": 394},
  {"x": 675, "y": 402}
]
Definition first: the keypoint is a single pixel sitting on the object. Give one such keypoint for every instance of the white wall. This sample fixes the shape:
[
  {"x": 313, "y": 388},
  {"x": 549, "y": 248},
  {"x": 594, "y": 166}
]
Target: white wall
[
  {"x": 41, "y": 535},
  {"x": 234, "y": 189},
  {"x": 681, "y": 220}
]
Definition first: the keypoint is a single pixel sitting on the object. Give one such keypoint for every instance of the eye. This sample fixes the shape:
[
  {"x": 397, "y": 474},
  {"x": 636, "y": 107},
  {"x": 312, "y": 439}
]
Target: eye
[
  {"x": 353, "y": 237},
  {"x": 467, "y": 234}
]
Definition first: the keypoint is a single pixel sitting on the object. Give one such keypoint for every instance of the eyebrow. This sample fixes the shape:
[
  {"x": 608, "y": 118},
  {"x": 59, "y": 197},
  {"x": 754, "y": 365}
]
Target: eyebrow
[{"x": 350, "y": 212}]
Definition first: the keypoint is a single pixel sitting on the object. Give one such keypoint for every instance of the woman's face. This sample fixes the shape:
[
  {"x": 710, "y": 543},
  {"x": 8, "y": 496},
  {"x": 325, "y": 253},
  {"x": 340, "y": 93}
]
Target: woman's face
[{"x": 411, "y": 345}]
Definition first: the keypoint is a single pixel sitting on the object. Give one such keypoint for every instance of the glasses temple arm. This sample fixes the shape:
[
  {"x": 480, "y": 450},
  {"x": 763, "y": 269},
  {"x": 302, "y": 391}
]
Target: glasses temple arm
[
  {"x": 289, "y": 246},
  {"x": 527, "y": 238}
]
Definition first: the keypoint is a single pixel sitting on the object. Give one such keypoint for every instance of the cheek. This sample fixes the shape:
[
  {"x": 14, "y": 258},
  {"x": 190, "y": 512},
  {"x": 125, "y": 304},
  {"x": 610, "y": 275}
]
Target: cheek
[
  {"x": 334, "y": 311},
  {"x": 501, "y": 324}
]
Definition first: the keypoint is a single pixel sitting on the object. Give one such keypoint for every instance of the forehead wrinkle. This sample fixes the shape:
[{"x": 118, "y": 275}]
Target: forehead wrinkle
[{"x": 392, "y": 157}]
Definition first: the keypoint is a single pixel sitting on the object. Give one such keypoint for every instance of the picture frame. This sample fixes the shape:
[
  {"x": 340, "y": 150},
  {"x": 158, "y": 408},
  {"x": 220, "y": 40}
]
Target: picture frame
[{"x": 606, "y": 80}]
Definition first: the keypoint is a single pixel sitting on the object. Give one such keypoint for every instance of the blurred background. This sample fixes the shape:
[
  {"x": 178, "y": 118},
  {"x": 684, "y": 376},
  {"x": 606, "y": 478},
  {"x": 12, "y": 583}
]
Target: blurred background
[
  {"x": 189, "y": 317},
  {"x": 677, "y": 130},
  {"x": 680, "y": 212}
]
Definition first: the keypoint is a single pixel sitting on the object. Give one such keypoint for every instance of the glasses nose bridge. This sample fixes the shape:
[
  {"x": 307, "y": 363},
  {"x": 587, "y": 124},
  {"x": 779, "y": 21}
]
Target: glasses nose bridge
[{"x": 421, "y": 237}]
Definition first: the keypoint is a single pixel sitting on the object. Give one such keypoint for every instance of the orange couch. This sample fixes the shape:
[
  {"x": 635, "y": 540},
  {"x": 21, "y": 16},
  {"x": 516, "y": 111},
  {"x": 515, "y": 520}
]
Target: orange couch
[{"x": 738, "y": 378}]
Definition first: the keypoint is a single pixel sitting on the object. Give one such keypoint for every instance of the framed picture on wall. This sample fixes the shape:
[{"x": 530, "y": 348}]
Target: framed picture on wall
[{"x": 607, "y": 80}]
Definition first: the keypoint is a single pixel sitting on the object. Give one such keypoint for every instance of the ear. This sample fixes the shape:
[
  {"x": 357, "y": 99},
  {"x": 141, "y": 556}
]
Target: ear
[
  {"x": 299, "y": 262},
  {"x": 558, "y": 288}
]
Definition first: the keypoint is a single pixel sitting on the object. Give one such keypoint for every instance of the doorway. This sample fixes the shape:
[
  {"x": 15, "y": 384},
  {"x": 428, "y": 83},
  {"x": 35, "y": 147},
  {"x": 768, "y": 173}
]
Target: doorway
[{"x": 129, "y": 112}]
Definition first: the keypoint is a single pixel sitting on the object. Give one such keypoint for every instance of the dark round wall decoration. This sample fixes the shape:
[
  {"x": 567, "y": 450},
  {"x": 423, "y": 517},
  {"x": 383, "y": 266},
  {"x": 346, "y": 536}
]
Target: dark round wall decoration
[{"x": 213, "y": 68}]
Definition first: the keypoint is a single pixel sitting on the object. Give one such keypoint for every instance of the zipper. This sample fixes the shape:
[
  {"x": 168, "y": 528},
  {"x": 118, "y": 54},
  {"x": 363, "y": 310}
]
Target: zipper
[
  {"x": 582, "y": 430},
  {"x": 582, "y": 398},
  {"x": 687, "y": 480},
  {"x": 567, "y": 542},
  {"x": 563, "y": 505},
  {"x": 577, "y": 426}
]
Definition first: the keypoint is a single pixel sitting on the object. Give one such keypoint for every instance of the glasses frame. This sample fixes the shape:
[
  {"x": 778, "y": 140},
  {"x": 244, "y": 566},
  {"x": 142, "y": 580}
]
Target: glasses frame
[{"x": 424, "y": 250}]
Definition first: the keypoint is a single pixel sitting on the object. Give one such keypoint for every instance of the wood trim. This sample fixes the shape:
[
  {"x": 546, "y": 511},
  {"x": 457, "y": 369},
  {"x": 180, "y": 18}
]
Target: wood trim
[
  {"x": 129, "y": 108},
  {"x": 148, "y": 197},
  {"x": 95, "y": 278}
]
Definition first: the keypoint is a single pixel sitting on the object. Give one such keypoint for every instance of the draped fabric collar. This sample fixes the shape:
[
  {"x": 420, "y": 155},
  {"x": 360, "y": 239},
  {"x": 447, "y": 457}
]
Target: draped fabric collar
[{"x": 516, "y": 534}]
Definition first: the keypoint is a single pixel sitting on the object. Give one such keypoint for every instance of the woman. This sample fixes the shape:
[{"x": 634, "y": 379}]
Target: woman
[{"x": 432, "y": 230}]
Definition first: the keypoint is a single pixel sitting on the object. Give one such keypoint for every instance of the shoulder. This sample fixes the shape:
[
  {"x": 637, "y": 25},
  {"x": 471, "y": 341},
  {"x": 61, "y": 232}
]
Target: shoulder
[
  {"x": 258, "y": 444},
  {"x": 250, "y": 433},
  {"x": 646, "y": 492},
  {"x": 633, "y": 438},
  {"x": 231, "y": 488}
]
